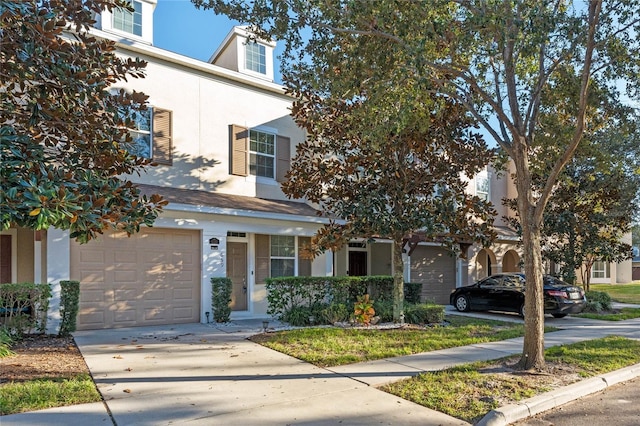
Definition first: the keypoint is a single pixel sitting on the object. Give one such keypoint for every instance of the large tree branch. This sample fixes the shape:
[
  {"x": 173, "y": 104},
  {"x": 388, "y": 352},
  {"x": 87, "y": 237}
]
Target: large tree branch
[{"x": 595, "y": 6}]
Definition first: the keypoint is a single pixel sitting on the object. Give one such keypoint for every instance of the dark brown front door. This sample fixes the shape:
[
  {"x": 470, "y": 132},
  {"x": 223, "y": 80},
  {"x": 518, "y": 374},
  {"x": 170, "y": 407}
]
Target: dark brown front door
[
  {"x": 5, "y": 259},
  {"x": 237, "y": 271},
  {"x": 357, "y": 263}
]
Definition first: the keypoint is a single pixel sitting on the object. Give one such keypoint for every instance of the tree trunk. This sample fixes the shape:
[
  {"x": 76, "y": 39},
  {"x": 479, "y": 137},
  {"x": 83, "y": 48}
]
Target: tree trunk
[
  {"x": 533, "y": 347},
  {"x": 398, "y": 282}
]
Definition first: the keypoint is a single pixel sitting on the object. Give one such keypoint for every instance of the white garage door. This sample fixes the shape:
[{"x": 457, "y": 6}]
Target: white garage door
[
  {"x": 150, "y": 278},
  {"x": 436, "y": 270}
]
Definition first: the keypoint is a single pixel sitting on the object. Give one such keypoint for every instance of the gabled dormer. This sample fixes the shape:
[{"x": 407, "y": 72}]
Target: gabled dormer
[
  {"x": 136, "y": 24},
  {"x": 238, "y": 53}
]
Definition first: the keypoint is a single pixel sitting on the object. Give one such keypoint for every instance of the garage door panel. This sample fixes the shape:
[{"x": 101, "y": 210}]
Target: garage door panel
[
  {"x": 151, "y": 278},
  {"x": 436, "y": 270}
]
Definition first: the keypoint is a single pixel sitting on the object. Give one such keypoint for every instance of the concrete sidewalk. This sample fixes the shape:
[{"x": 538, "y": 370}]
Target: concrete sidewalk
[{"x": 203, "y": 374}]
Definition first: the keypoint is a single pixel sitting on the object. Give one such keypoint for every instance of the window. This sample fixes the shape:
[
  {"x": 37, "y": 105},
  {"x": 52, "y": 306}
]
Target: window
[
  {"x": 600, "y": 269},
  {"x": 283, "y": 256},
  {"x": 128, "y": 21},
  {"x": 151, "y": 134},
  {"x": 482, "y": 184},
  {"x": 140, "y": 132},
  {"x": 261, "y": 154},
  {"x": 255, "y": 58}
]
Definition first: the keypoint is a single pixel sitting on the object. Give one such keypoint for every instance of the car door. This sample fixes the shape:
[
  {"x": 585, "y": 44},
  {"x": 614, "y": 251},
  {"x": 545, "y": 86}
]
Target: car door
[
  {"x": 485, "y": 295},
  {"x": 512, "y": 292}
]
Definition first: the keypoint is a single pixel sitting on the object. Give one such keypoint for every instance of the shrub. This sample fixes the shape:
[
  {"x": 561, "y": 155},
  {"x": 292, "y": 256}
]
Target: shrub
[
  {"x": 23, "y": 308},
  {"x": 412, "y": 292},
  {"x": 597, "y": 301},
  {"x": 424, "y": 313},
  {"x": 384, "y": 309},
  {"x": 5, "y": 343},
  {"x": 69, "y": 302},
  {"x": 221, "y": 288},
  {"x": 363, "y": 310},
  {"x": 333, "y": 313}
]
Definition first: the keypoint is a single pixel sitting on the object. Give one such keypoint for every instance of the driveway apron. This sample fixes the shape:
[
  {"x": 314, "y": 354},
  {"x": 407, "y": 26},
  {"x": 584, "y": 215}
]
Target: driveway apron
[{"x": 200, "y": 374}]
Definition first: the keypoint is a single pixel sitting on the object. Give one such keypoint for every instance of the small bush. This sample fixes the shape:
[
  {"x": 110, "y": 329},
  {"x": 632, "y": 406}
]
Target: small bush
[
  {"x": 23, "y": 308},
  {"x": 221, "y": 288},
  {"x": 333, "y": 313},
  {"x": 69, "y": 302},
  {"x": 384, "y": 309},
  {"x": 363, "y": 310},
  {"x": 298, "y": 316},
  {"x": 5, "y": 343},
  {"x": 597, "y": 301},
  {"x": 424, "y": 313},
  {"x": 412, "y": 292}
]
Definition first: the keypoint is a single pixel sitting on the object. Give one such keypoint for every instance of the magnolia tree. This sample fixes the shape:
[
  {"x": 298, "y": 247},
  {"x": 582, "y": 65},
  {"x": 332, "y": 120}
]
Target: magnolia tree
[
  {"x": 493, "y": 57},
  {"x": 63, "y": 133}
]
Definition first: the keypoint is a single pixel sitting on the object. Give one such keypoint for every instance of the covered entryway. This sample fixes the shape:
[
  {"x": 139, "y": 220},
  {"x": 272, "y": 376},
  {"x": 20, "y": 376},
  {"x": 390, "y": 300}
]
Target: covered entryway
[
  {"x": 436, "y": 270},
  {"x": 511, "y": 261},
  {"x": 150, "y": 278}
]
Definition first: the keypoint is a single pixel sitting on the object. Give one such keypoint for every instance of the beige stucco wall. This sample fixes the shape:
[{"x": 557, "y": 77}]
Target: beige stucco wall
[{"x": 204, "y": 105}]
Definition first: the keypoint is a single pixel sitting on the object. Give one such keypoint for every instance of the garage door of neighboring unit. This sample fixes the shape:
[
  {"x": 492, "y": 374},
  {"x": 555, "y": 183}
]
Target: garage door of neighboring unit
[
  {"x": 150, "y": 278},
  {"x": 436, "y": 270}
]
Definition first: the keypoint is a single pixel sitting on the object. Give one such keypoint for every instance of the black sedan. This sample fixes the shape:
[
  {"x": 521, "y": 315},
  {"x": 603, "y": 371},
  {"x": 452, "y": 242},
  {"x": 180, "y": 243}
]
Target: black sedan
[{"x": 505, "y": 292}]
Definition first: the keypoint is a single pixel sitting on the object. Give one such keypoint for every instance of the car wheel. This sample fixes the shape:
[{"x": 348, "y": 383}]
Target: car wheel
[
  {"x": 462, "y": 303},
  {"x": 522, "y": 310},
  {"x": 559, "y": 315}
]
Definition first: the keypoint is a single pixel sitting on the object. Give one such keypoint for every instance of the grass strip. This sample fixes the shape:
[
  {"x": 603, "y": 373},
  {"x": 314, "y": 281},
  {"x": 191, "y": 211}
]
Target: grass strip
[
  {"x": 624, "y": 314},
  {"x": 470, "y": 391},
  {"x": 331, "y": 346},
  {"x": 31, "y": 395}
]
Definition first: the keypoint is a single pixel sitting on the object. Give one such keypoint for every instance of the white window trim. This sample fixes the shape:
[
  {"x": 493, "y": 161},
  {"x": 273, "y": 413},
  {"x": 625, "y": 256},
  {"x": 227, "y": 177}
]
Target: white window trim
[
  {"x": 268, "y": 131},
  {"x": 606, "y": 270},
  {"x": 483, "y": 174},
  {"x": 113, "y": 21},
  {"x": 294, "y": 257}
]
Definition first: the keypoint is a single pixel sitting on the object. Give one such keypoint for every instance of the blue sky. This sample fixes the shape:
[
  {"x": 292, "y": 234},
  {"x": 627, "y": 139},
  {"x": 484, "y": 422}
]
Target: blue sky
[{"x": 180, "y": 27}]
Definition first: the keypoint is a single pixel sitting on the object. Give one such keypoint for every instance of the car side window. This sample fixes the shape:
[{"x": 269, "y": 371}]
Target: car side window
[
  {"x": 511, "y": 281},
  {"x": 490, "y": 283}
]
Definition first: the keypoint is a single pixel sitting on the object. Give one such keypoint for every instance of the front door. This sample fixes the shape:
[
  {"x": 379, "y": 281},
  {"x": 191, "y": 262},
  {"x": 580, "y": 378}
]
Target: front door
[
  {"x": 357, "y": 263},
  {"x": 237, "y": 271}
]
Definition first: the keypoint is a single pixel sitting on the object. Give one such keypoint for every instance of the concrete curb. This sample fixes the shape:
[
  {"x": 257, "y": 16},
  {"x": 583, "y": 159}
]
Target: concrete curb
[{"x": 546, "y": 401}]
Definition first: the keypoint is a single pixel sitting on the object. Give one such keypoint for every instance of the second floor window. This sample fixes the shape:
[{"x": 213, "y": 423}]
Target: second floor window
[
  {"x": 140, "y": 132},
  {"x": 482, "y": 185},
  {"x": 255, "y": 58},
  {"x": 128, "y": 21},
  {"x": 261, "y": 153}
]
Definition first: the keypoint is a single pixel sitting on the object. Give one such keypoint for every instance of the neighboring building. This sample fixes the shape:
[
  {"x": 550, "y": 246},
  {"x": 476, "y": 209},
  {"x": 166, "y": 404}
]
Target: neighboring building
[
  {"x": 223, "y": 138},
  {"x": 635, "y": 274}
]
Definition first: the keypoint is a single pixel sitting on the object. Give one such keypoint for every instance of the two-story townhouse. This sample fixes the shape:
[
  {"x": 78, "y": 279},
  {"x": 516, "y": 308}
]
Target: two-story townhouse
[{"x": 223, "y": 138}]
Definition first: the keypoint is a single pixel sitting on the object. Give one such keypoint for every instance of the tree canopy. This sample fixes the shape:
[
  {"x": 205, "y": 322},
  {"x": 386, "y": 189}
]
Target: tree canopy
[
  {"x": 63, "y": 131},
  {"x": 494, "y": 57}
]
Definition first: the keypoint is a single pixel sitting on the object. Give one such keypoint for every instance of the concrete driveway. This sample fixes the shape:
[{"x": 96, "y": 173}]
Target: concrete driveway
[{"x": 199, "y": 374}]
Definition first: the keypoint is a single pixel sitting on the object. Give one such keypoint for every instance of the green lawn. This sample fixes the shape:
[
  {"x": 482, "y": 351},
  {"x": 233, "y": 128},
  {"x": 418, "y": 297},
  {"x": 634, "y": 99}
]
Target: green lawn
[
  {"x": 624, "y": 314},
  {"x": 623, "y": 293},
  {"x": 19, "y": 397},
  {"x": 468, "y": 393},
  {"x": 332, "y": 346}
]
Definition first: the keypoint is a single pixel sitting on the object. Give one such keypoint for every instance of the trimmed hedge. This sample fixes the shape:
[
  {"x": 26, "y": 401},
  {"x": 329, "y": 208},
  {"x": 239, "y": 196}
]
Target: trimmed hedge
[
  {"x": 303, "y": 301},
  {"x": 23, "y": 308},
  {"x": 69, "y": 301},
  {"x": 221, "y": 288}
]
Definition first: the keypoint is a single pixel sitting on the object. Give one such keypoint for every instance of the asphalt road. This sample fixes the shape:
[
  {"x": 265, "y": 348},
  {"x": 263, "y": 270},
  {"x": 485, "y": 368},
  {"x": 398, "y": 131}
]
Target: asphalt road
[{"x": 618, "y": 405}]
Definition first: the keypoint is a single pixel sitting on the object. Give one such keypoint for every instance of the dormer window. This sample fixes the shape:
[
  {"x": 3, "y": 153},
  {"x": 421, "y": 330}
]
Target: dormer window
[
  {"x": 127, "y": 20},
  {"x": 255, "y": 58}
]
